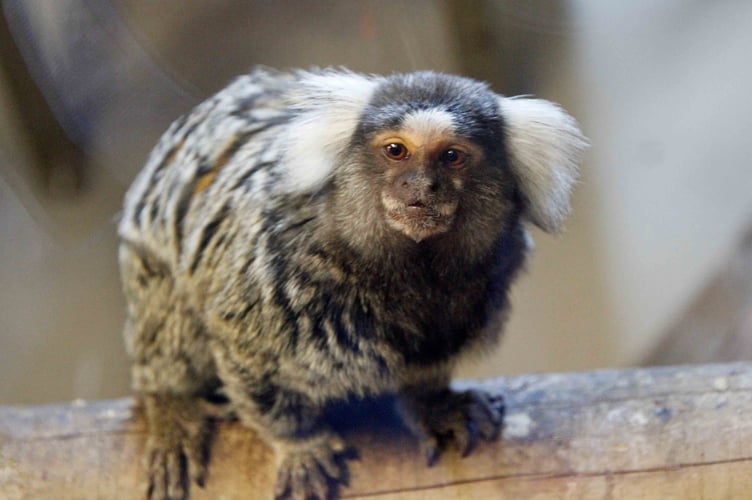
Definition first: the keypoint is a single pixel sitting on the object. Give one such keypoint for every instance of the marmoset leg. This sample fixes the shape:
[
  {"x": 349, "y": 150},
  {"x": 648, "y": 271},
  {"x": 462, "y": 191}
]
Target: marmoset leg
[
  {"x": 177, "y": 447},
  {"x": 172, "y": 373},
  {"x": 310, "y": 455},
  {"x": 441, "y": 416}
]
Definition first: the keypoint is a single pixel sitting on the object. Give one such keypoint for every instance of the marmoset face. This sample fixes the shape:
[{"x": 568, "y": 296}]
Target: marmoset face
[{"x": 423, "y": 165}]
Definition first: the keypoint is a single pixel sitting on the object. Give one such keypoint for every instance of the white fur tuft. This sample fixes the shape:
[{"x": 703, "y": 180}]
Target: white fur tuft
[
  {"x": 429, "y": 122},
  {"x": 544, "y": 144},
  {"x": 329, "y": 104}
]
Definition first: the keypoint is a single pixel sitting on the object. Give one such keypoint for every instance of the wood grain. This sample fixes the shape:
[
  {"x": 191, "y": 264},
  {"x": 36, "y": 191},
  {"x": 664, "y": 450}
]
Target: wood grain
[{"x": 663, "y": 433}]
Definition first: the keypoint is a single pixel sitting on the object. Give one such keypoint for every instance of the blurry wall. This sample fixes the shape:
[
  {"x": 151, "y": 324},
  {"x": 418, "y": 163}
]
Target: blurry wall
[
  {"x": 666, "y": 87},
  {"x": 660, "y": 88}
]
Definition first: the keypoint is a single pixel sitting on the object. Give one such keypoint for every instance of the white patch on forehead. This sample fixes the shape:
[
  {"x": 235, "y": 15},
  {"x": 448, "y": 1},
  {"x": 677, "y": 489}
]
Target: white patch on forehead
[{"x": 429, "y": 122}]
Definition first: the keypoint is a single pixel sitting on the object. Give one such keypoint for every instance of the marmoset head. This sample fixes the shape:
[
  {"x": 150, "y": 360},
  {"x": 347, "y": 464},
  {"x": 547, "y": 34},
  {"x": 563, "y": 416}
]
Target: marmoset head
[{"x": 427, "y": 154}]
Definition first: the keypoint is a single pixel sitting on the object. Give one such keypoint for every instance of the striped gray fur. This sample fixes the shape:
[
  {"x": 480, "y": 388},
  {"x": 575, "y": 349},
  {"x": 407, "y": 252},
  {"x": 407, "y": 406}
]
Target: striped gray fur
[{"x": 275, "y": 255}]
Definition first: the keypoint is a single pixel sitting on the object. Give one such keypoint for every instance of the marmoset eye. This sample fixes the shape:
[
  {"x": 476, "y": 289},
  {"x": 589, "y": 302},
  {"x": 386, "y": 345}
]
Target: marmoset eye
[
  {"x": 396, "y": 151},
  {"x": 454, "y": 157}
]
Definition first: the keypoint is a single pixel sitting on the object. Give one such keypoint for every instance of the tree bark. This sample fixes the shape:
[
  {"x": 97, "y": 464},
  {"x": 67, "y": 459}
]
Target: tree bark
[{"x": 676, "y": 432}]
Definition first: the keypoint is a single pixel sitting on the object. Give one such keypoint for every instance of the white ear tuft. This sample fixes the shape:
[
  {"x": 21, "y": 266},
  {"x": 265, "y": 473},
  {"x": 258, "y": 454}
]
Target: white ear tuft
[
  {"x": 544, "y": 145},
  {"x": 329, "y": 105}
]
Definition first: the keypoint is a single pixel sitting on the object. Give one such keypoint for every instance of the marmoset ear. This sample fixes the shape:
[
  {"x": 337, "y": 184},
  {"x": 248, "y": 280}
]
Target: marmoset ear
[
  {"x": 328, "y": 104},
  {"x": 544, "y": 145}
]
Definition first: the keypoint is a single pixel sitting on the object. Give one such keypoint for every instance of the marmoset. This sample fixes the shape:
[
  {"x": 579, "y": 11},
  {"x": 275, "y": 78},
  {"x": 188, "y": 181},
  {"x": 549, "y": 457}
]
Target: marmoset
[{"x": 307, "y": 238}]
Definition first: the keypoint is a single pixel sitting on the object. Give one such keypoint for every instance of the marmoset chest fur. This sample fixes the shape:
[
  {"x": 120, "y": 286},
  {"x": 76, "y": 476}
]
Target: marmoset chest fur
[{"x": 310, "y": 237}]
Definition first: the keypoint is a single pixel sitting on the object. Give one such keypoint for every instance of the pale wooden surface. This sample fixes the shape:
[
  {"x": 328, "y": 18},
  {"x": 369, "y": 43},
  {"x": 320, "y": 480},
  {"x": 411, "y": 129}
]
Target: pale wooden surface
[{"x": 663, "y": 433}]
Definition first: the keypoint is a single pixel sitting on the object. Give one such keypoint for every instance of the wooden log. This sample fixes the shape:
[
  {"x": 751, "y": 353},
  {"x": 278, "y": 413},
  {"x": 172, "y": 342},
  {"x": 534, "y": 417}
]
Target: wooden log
[{"x": 663, "y": 433}]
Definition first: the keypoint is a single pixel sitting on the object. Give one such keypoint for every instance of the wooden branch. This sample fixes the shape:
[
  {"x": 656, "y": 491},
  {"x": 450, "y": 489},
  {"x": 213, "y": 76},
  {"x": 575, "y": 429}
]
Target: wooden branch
[{"x": 678, "y": 432}]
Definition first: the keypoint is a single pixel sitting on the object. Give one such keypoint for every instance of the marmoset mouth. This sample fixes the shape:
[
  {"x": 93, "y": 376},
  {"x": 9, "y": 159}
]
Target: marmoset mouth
[
  {"x": 417, "y": 212},
  {"x": 419, "y": 221}
]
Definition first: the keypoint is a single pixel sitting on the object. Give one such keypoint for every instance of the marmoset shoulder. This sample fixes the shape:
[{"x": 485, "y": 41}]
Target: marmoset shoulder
[{"x": 312, "y": 237}]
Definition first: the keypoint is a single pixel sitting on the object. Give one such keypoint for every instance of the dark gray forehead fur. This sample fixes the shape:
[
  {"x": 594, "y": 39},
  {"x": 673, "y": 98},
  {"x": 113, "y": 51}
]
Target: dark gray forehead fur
[{"x": 474, "y": 108}]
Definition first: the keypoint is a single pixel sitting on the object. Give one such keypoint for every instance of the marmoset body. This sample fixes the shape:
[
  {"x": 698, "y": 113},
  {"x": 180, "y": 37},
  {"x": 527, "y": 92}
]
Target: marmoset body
[{"x": 306, "y": 238}]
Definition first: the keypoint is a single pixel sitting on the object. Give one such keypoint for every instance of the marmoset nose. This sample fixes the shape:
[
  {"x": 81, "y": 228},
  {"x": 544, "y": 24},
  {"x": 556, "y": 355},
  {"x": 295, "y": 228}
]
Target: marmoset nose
[{"x": 415, "y": 187}]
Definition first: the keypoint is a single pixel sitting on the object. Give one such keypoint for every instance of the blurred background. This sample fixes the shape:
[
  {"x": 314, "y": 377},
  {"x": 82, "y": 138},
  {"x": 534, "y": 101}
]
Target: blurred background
[{"x": 655, "y": 265}]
